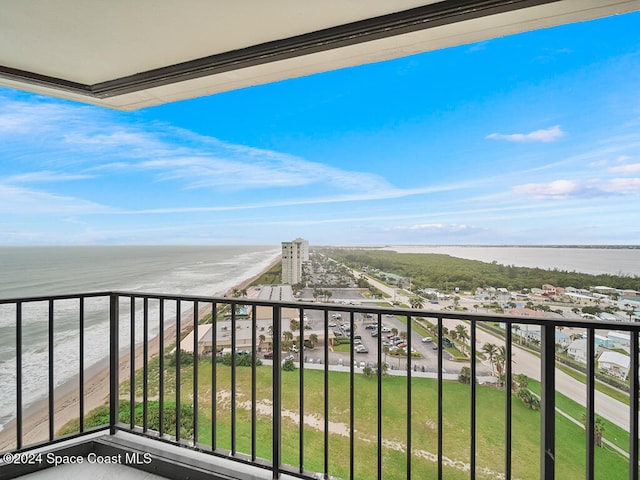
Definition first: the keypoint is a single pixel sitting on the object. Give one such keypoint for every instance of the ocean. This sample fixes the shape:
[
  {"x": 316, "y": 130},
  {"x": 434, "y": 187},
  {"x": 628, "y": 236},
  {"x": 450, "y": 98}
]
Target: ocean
[
  {"x": 592, "y": 260},
  {"x": 43, "y": 271}
]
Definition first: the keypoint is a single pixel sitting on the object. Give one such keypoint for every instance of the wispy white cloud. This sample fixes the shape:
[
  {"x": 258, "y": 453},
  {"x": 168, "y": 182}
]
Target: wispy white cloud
[
  {"x": 388, "y": 194},
  {"x": 562, "y": 189},
  {"x": 436, "y": 227},
  {"x": 623, "y": 186},
  {"x": 33, "y": 117},
  {"x": 545, "y": 135},
  {"x": 629, "y": 168},
  {"x": 46, "y": 176},
  {"x": 267, "y": 170},
  {"x": 16, "y": 200}
]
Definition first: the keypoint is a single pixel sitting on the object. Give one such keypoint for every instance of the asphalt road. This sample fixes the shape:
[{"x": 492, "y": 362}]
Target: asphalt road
[{"x": 528, "y": 364}]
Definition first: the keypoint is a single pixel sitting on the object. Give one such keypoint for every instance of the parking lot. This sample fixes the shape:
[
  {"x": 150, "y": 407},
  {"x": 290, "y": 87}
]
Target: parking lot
[{"x": 366, "y": 342}]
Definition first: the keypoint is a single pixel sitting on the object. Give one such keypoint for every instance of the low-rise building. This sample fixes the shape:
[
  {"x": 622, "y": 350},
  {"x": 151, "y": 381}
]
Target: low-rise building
[
  {"x": 614, "y": 363},
  {"x": 578, "y": 350},
  {"x": 619, "y": 338}
]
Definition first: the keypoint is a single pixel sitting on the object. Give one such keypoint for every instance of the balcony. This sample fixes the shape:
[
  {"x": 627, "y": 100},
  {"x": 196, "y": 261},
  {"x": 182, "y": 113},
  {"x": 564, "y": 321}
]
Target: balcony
[{"x": 329, "y": 412}]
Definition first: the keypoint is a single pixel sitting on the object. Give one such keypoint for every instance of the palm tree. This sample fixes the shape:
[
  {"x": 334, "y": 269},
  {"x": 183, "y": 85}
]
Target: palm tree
[
  {"x": 517, "y": 329},
  {"x": 313, "y": 339},
  {"x": 500, "y": 358},
  {"x": 294, "y": 325},
  {"x": 598, "y": 429},
  {"x": 288, "y": 340},
  {"x": 261, "y": 340},
  {"x": 491, "y": 350},
  {"x": 416, "y": 302},
  {"x": 462, "y": 335},
  {"x": 394, "y": 330}
]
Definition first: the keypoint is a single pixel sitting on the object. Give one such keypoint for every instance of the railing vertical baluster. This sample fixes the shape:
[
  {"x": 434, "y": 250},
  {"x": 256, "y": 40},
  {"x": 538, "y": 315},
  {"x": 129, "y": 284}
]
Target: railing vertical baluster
[
  {"x": 18, "y": 375},
  {"x": 51, "y": 372},
  {"x": 351, "y": 401},
  {"x": 132, "y": 363},
  {"x": 161, "y": 367},
  {"x": 81, "y": 364},
  {"x": 114, "y": 361},
  {"x": 326, "y": 394},
  {"x": 409, "y": 378},
  {"x": 233, "y": 378},
  {"x": 440, "y": 429},
  {"x": 254, "y": 360},
  {"x": 590, "y": 415},
  {"x": 633, "y": 406},
  {"x": 547, "y": 434},
  {"x": 381, "y": 369},
  {"x": 472, "y": 446},
  {"x": 178, "y": 367},
  {"x": 301, "y": 391},
  {"x": 145, "y": 364},
  {"x": 277, "y": 399},
  {"x": 214, "y": 371},
  {"x": 195, "y": 372},
  {"x": 508, "y": 364}
]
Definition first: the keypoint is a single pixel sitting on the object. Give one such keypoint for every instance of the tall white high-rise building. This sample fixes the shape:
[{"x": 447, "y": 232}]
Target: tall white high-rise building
[
  {"x": 303, "y": 247},
  {"x": 294, "y": 254}
]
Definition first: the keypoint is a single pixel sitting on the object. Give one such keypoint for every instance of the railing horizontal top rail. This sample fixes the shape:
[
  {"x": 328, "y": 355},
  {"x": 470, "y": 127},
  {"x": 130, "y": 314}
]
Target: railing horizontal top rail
[{"x": 374, "y": 310}]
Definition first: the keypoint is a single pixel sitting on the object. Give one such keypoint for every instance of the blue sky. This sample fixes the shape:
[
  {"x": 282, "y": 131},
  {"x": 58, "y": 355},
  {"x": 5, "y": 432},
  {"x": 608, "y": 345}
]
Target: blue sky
[{"x": 528, "y": 139}]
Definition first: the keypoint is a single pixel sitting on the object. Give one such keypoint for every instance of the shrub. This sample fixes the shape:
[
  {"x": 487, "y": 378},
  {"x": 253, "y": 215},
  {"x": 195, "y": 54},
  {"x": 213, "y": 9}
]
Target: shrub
[
  {"x": 288, "y": 365},
  {"x": 242, "y": 360},
  {"x": 186, "y": 358},
  {"x": 100, "y": 416},
  {"x": 465, "y": 375}
]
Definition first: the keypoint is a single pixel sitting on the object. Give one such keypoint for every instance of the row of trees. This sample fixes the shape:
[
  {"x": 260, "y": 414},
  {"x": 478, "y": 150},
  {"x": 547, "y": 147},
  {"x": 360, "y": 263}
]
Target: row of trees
[
  {"x": 288, "y": 336},
  {"x": 447, "y": 273}
]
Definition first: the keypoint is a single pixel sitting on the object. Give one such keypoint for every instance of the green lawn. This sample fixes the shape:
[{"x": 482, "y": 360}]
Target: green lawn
[{"x": 570, "y": 441}]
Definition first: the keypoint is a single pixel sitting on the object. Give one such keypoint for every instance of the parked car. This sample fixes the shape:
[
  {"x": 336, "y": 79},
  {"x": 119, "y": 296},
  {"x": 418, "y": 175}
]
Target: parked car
[
  {"x": 268, "y": 355},
  {"x": 427, "y": 340},
  {"x": 362, "y": 364},
  {"x": 374, "y": 333}
]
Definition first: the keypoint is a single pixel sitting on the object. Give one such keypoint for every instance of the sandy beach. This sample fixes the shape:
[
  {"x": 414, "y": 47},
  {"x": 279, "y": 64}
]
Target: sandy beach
[{"x": 35, "y": 423}]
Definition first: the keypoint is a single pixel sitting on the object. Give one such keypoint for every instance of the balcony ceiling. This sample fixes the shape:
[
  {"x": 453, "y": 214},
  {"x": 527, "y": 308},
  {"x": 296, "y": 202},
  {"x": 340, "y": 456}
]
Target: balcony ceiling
[{"x": 128, "y": 54}]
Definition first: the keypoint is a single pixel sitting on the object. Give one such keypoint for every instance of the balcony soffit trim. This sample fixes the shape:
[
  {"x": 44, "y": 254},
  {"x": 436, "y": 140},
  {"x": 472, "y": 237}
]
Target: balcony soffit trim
[{"x": 395, "y": 24}]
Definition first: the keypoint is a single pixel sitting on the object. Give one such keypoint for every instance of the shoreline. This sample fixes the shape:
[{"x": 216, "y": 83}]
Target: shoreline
[{"x": 35, "y": 416}]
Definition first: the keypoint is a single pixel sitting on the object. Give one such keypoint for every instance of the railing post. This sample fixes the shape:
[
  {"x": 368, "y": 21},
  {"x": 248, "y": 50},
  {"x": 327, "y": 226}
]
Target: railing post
[
  {"x": 51, "y": 371},
  {"x": 277, "y": 385},
  {"x": 548, "y": 407},
  {"x": 590, "y": 414},
  {"x": 18, "y": 375},
  {"x": 633, "y": 405},
  {"x": 114, "y": 363}
]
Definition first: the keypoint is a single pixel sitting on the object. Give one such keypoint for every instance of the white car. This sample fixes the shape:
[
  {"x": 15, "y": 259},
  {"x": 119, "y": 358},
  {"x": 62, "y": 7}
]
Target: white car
[{"x": 427, "y": 340}]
